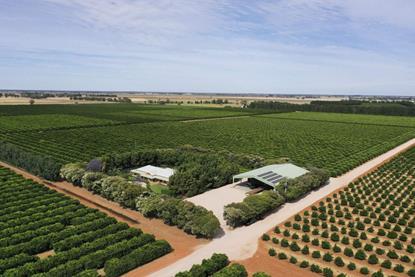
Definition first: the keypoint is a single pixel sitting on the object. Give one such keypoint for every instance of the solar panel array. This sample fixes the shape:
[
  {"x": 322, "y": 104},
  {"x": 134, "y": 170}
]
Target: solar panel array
[{"x": 271, "y": 177}]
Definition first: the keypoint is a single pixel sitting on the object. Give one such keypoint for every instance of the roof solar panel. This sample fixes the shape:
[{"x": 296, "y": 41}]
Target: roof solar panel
[
  {"x": 265, "y": 173},
  {"x": 277, "y": 180},
  {"x": 270, "y": 176},
  {"x": 278, "y": 177}
]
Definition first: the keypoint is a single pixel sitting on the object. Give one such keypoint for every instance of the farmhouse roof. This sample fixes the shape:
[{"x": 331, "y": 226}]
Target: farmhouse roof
[
  {"x": 272, "y": 174},
  {"x": 154, "y": 172}
]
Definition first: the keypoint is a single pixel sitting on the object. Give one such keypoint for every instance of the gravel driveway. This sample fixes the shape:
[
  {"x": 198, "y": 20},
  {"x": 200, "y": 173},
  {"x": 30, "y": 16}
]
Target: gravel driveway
[{"x": 216, "y": 199}]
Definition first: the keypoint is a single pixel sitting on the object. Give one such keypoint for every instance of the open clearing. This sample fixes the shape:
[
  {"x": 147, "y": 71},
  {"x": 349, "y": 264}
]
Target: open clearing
[{"x": 215, "y": 200}]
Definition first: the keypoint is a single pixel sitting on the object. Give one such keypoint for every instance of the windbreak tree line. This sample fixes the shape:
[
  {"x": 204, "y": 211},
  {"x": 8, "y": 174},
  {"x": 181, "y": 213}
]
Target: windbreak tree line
[
  {"x": 254, "y": 207},
  {"x": 40, "y": 165},
  {"x": 404, "y": 108},
  {"x": 196, "y": 169}
]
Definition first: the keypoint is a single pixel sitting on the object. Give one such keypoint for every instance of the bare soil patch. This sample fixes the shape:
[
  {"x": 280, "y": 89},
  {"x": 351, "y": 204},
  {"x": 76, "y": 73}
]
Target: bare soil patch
[
  {"x": 261, "y": 261},
  {"x": 46, "y": 254}
]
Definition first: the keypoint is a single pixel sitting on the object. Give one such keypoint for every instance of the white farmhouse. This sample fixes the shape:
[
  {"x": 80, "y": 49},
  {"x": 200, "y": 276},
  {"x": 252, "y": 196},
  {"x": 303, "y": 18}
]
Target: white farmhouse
[{"x": 154, "y": 173}]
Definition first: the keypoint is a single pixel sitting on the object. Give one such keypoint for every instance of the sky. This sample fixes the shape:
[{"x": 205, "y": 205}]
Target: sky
[{"x": 235, "y": 46}]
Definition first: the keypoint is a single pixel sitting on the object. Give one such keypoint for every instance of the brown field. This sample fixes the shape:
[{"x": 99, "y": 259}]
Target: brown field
[{"x": 143, "y": 97}]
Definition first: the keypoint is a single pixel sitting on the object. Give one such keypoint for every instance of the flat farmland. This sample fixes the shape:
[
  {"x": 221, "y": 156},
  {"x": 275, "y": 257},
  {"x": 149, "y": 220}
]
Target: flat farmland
[
  {"x": 336, "y": 146},
  {"x": 402, "y": 121},
  {"x": 44, "y": 232},
  {"x": 69, "y": 133},
  {"x": 362, "y": 229},
  {"x": 113, "y": 113}
]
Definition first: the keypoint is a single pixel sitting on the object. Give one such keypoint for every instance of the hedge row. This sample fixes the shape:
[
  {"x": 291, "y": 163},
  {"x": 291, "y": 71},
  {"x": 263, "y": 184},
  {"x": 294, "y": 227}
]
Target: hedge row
[
  {"x": 252, "y": 208},
  {"x": 140, "y": 256},
  {"x": 39, "y": 165},
  {"x": 208, "y": 266},
  {"x": 185, "y": 215},
  {"x": 234, "y": 270}
]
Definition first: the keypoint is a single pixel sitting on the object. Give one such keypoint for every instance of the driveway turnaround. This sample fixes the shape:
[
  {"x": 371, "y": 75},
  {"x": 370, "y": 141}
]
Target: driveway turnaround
[
  {"x": 242, "y": 242},
  {"x": 215, "y": 200}
]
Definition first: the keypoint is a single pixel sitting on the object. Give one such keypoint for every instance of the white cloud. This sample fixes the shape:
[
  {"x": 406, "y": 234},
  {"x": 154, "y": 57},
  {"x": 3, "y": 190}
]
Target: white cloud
[{"x": 229, "y": 45}]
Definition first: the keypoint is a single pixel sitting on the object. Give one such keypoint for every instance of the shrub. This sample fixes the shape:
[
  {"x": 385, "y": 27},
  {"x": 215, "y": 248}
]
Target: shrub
[
  {"x": 252, "y": 208},
  {"x": 386, "y": 264},
  {"x": 294, "y": 247},
  {"x": 293, "y": 260},
  {"x": 339, "y": 262},
  {"x": 364, "y": 271},
  {"x": 378, "y": 274},
  {"x": 265, "y": 237},
  {"x": 327, "y": 257},
  {"x": 285, "y": 243},
  {"x": 234, "y": 270},
  {"x": 316, "y": 254},
  {"x": 351, "y": 266},
  {"x": 315, "y": 268},
  {"x": 304, "y": 264},
  {"x": 325, "y": 245},
  {"x": 282, "y": 256},
  {"x": 392, "y": 254},
  {"x": 261, "y": 274},
  {"x": 399, "y": 268},
  {"x": 348, "y": 252},
  {"x": 192, "y": 219},
  {"x": 336, "y": 249},
  {"x": 215, "y": 263},
  {"x": 360, "y": 255},
  {"x": 73, "y": 173},
  {"x": 272, "y": 252},
  {"x": 327, "y": 272},
  {"x": 373, "y": 259}
]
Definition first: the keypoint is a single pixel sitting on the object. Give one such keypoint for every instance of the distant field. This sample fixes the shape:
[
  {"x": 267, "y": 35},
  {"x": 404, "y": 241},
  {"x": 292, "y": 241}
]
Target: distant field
[
  {"x": 332, "y": 141},
  {"x": 116, "y": 111},
  {"x": 43, "y": 232},
  {"x": 349, "y": 118},
  {"x": 364, "y": 228},
  {"x": 47, "y": 121}
]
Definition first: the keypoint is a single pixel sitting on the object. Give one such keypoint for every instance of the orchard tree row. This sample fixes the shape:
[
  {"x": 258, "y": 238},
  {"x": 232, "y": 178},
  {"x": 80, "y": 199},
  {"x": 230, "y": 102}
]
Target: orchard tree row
[{"x": 36, "y": 220}]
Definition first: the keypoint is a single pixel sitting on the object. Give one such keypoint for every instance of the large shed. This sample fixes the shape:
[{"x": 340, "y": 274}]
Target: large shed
[
  {"x": 271, "y": 175},
  {"x": 154, "y": 173}
]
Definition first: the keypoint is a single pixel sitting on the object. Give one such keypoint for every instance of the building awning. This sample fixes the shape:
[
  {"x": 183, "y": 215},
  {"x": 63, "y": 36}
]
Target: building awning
[{"x": 272, "y": 174}]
